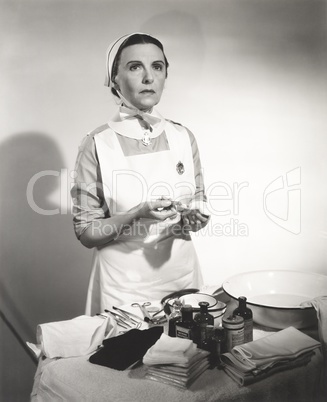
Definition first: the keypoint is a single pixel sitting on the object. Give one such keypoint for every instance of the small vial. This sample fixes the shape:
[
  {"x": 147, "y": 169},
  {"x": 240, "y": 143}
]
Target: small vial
[
  {"x": 174, "y": 316},
  {"x": 185, "y": 327},
  {"x": 202, "y": 320},
  {"x": 219, "y": 336},
  {"x": 243, "y": 311},
  {"x": 209, "y": 344}
]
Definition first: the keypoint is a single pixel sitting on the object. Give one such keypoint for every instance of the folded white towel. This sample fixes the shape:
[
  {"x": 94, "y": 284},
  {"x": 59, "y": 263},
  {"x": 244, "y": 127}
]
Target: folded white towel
[
  {"x": 77, "y": 337},
  {"x": 284, "y": 345},
  {"x": 168, "y": 350},
  {"x": 320, "y": 305}
]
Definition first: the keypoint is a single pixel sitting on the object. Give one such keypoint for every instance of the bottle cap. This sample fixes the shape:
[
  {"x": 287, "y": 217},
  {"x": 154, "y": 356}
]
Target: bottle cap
[
  {"x": 203, "y": 306},
  {"x": 177, "y": 304},
  {"x": 187, "y": 307}
]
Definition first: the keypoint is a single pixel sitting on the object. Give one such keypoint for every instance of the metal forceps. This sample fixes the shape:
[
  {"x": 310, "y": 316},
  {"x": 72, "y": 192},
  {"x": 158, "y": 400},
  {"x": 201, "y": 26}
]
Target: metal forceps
[{"x": 146, "y": 315}]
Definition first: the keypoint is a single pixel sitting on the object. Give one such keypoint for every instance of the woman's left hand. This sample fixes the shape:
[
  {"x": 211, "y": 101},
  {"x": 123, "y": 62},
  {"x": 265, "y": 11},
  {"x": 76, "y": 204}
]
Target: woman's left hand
[{"x": 194, "y": 219}]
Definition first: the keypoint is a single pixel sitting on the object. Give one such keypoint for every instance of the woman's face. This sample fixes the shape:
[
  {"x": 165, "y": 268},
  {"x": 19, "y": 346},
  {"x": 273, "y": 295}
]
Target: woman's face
[{"x": 141, "y": 75}]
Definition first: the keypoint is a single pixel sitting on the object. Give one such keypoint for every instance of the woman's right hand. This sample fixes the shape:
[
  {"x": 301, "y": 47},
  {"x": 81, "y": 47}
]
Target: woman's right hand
[
  {"x": 159, "y": 209},
  {"x": 103, "y": 231}
]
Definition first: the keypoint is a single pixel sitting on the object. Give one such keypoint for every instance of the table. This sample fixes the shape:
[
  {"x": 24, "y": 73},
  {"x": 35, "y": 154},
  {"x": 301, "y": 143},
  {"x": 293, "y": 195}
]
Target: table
[{"x": 76, "y": 379}]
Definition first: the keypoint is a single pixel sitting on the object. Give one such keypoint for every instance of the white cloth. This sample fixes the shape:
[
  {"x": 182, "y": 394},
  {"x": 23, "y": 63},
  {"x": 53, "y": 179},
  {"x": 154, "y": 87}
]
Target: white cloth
[
  {"x": 168, "y": 350},
  {"x": 77, "y": 337},
  {"x": 320, "y": 305},
  {"x": 285, "y": 345},
  {"x": 125, "y": 124},
  {"x": 148, "y": 260}
]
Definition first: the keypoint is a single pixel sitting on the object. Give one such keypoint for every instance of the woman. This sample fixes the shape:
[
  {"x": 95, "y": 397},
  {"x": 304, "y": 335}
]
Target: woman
[{"x": 139, "y": 189}]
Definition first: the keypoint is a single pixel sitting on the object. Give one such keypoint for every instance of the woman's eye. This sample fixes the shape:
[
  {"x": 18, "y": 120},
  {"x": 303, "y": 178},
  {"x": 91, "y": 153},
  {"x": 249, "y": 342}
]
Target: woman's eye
[
  {"x": 158, "y": 67},
  {"x": 134, "y": 67}
]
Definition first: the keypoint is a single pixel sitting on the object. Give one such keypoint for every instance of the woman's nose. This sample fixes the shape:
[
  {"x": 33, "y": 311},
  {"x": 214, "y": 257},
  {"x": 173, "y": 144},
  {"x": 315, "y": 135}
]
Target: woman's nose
[{"x": 147, "y": 77}]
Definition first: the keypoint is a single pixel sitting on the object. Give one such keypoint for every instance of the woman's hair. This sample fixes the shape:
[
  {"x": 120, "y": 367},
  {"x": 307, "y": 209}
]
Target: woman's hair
[{"x": 135, "y": 39}]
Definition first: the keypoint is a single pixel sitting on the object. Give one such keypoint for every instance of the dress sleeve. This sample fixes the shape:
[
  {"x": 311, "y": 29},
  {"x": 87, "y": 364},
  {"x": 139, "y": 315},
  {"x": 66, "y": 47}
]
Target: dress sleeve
[
  {"x": 87, "y": 193},
  {"x": 199, "y": 184}
]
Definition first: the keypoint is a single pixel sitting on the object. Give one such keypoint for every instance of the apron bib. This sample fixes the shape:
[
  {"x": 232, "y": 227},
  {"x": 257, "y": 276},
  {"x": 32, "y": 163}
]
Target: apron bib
[{"x": 149, "y": 259}]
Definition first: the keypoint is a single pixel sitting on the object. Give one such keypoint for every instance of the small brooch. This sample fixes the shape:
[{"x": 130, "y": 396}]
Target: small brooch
[
  {"x": 146, "y": 140},
  {"x": 180, "y": 168}
]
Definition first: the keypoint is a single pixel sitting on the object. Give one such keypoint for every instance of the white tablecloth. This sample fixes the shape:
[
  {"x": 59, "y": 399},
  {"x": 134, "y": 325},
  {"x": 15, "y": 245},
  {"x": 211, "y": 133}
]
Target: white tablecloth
[{"x": 76, "y": 379}]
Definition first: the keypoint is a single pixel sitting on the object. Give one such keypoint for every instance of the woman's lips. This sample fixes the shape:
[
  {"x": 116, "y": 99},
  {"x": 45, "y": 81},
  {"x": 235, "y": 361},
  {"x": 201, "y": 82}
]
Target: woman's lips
[{"x": 147, "y": 91}]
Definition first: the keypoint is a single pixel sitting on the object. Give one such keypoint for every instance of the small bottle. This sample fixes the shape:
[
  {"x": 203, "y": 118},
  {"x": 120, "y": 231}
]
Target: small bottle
[
  {"x": 245, "y": 312},
  {"x": 219, "y": 337},
  {"x": 234, "y": 329},
  {"x": 209, "y": 344},
  {"x": 212, "y": 343},
  {"x": 174, "y": 316},
  {"x": 202, "y": 320},
  {"x": 185, "y": 326}
]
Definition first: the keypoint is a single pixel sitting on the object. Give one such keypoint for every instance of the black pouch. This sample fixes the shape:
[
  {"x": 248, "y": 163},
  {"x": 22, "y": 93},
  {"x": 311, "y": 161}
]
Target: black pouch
[{"x": 120, "y": 352}]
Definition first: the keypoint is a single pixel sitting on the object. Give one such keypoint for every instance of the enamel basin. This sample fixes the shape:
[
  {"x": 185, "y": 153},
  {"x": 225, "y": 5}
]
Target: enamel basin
[{"x": 275, "y": 297}]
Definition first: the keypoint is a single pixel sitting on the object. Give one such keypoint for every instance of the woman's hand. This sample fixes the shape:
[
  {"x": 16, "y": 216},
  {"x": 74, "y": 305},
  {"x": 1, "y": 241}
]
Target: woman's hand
[
  {"x": 194, "y": 219},
  {"x": 103, "y": 231},
  {"x": 159, "y": 209}
]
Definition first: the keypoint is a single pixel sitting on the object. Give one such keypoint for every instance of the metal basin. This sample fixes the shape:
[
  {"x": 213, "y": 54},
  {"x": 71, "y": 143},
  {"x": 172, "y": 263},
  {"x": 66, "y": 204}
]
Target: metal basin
[{"x": 275, "y": 297}]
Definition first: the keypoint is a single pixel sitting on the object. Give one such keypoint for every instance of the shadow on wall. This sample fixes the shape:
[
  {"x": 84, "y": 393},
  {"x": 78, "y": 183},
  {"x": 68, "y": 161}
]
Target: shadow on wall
[{"x": 44, "y": 269}]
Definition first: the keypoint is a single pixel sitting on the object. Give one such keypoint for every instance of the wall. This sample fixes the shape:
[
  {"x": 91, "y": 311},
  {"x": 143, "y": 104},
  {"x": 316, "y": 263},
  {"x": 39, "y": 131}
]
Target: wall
[{"x": 247, "y": 77}]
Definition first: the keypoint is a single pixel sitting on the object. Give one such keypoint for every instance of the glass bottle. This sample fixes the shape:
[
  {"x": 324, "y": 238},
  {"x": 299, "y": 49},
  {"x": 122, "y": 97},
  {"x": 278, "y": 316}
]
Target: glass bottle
[
  {"x": 219, "y": 337},
  {"x": 209, "y": 344},
  {"x": 202, "y": 320},
  {"x": 213, "y": 344},
  {"x": 234, "y": 330},
  {"x": 243, "y": 311},
  {"x": 185, "y": 326},
  {"x": 174, "y": 316}
]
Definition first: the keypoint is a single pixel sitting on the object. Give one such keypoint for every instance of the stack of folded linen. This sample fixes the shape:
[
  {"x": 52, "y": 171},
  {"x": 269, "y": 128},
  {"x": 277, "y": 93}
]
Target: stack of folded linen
[
  {"x": 175, "y": 361},
  {"x": 76, "y": 337},
  {"x": 255, "y": 360}
]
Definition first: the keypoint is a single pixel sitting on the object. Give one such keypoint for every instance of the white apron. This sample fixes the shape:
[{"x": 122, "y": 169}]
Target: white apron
[{"x": 151, "y": 259}]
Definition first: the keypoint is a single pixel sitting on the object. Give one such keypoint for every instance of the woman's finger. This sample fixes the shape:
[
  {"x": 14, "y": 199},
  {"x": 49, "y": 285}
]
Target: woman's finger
[
  {"x": 159, "y": 204},
  {"x": 163, "y": 214},
  {"x": 201, "y": 218}
]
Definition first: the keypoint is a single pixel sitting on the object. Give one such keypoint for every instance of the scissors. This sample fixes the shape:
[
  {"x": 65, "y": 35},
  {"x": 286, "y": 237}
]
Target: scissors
[{"x": 146, "y": 315}]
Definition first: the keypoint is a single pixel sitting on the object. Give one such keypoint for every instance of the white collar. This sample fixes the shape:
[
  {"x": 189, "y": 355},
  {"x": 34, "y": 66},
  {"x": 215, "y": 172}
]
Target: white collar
[{"x": 125, "y": 123}]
